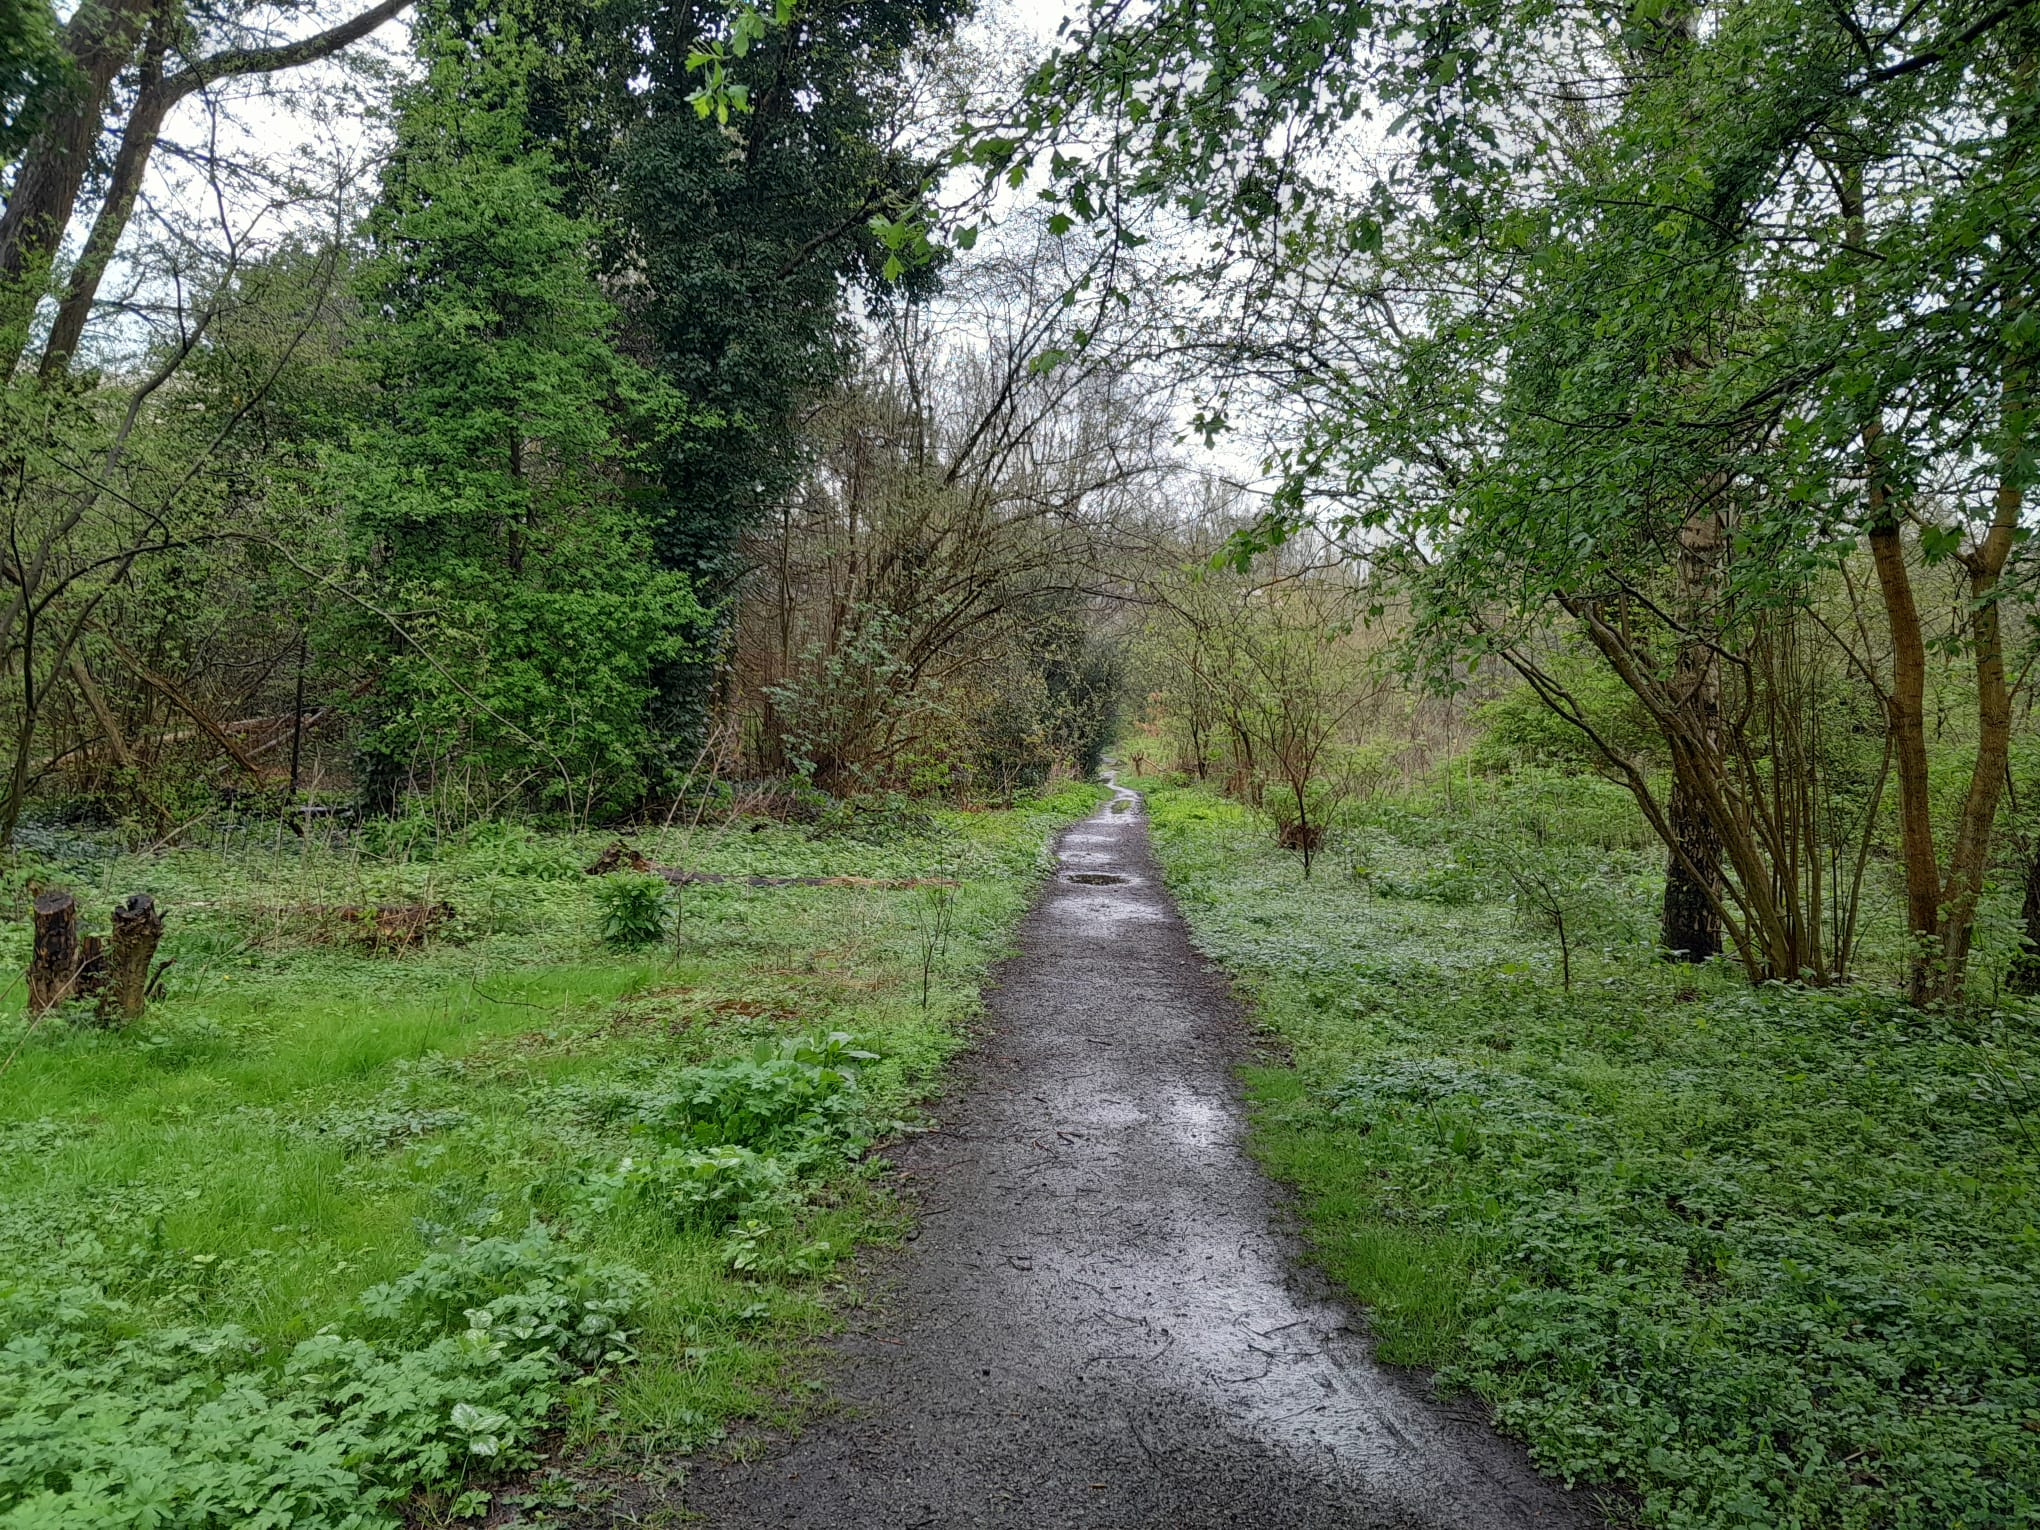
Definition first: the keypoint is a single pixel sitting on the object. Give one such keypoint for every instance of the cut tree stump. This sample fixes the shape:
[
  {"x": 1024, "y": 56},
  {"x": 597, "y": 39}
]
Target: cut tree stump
[
  {"x": 65, "y": 964},
  {"x": 137, "y": 928}
]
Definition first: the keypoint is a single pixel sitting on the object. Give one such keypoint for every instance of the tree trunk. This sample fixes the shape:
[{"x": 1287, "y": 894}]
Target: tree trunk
[
  {"x": 64, "y": 965},
  {"x": 1306, "y": 833},
  {"x": 100, "y": 38},
  {"x": 137, "y": 928},
  {"x": 24, "y": 745},
  {"x": 46, "y": 191},
  {"x": 1905, "y": 709},
  {"x": 1691, "y": 930},
  {"x": 137, "y": 143},
  {"x": 1969, "y": 858},
  {"x": 1770, "y": 944},
  {"x": 109, "y": 725},
  {"x": 2024, "y": 978}
]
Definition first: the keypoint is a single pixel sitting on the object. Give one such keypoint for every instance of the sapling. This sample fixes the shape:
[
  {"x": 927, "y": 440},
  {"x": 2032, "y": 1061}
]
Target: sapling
[
  {"x": 635, "y": 909},
  {"x": 935, "y": 915}
]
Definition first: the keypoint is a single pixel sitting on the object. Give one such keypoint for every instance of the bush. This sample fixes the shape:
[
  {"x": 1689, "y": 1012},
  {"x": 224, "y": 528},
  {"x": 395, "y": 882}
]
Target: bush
[{"x": 635, "y": 909}]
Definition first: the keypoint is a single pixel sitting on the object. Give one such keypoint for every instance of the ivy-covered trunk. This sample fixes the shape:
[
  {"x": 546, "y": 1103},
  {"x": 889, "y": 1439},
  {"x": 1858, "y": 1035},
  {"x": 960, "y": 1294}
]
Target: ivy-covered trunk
[
  {"x": 2024, "y": 976},
  {"x": 1690, "y": 930}
]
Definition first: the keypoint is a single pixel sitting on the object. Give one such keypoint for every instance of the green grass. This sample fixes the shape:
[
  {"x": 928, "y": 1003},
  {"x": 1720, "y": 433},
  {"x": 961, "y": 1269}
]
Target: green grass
[
  {"x": 1758, "y": 1257},
  {"x": 297, "y": 1124}
]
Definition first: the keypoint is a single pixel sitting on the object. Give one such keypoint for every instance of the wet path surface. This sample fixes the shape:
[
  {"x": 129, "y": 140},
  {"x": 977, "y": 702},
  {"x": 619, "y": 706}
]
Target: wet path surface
[{"x": 1099, "y": 1324}]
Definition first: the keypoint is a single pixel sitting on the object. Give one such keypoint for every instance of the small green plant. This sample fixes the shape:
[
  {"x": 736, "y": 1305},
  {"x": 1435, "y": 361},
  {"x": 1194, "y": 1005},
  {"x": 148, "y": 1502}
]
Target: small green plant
[
  {"x": 935, "y": 920},
  {"x": 634, "y": 909},
  {"x": 798, "y": 1097},
  {"x": 750, "y": 1250},
  {"x": 701, "y": 1187}
]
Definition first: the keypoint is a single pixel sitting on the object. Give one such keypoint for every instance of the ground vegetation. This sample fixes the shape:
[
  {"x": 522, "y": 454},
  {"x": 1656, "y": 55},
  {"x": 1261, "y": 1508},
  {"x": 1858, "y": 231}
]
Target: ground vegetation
[
  {"x": 1757, "y": 1256},
  {"x": 578, "y": 603},
  {"x": 367, "y": 1220}
]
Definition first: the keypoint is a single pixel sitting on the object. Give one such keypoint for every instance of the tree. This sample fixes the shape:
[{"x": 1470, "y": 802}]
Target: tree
[
  {"x": 1649, "y": 322},
  {"x": 919, "y": 611},
  {"x": 1279, "y": 667},
  {"x": 103, "y": 40},
  {"x": 733, "y": 238},
  {"x": 492, "y": 491}
]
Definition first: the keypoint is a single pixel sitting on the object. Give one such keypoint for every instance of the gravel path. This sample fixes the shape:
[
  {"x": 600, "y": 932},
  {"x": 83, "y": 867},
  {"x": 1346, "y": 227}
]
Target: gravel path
[{"x": 1100, "y": 1323}]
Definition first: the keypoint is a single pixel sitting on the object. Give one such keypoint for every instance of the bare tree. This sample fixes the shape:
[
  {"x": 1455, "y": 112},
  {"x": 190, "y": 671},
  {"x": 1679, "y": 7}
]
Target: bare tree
[{"x": 964, "y": 511}]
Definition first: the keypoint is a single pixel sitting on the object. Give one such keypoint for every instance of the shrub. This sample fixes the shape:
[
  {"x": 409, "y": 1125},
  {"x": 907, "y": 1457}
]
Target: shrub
[{"x": 635, "y": 909}]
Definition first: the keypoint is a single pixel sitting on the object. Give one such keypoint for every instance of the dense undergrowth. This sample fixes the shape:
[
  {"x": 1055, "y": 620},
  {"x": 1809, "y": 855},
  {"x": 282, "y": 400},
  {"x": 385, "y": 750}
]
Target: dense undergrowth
[
  {"x": 1760, "y": 1257},
  {"x": 333, "y": 1237}
]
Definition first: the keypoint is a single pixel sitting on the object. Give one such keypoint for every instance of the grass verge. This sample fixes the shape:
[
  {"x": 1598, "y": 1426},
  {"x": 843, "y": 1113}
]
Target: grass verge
[
  {"x": 333, "y": 1237},
  {"x": 1760, "y": 1257}
]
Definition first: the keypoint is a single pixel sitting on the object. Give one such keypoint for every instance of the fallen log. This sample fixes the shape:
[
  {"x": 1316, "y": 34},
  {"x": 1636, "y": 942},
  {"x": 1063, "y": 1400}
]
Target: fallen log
[
  {"x": 176, "y": 694},
  {"x": 379, "y": 926},
  {"x": 618, "y": 857},
  {"x": 681, "y": 878}
]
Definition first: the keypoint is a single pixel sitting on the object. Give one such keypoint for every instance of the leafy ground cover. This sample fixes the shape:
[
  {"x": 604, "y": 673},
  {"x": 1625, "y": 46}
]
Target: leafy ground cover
[
  {"x": 1758, "y": 1257},
  {"x": 336, "y": 1235}
]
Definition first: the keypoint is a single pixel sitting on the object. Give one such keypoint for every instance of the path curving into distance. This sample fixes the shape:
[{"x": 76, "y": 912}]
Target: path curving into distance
[{"x": 1100, "y": 1323}]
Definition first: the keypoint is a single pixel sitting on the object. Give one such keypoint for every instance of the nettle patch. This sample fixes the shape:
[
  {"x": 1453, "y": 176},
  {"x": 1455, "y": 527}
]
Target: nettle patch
[{"x": 737, "y": 1147}]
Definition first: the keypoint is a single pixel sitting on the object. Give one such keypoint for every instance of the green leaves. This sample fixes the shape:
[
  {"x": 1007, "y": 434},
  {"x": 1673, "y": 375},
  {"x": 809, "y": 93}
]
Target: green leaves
[
  {"x": 1240, "y": 549},
  {"x": 635, "y": 909},
  {"x": 445, "y": 1374},
  {"x": 721, "y": 95},
  {"x": 1939, "y": 543},
  {"x": 908, "y": 241},
  {"x": 486, "y": 485},
  {"x": 798, "y": 1097}
]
